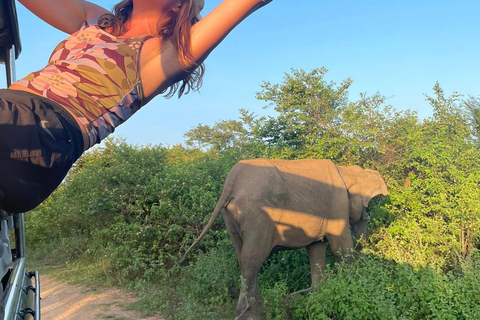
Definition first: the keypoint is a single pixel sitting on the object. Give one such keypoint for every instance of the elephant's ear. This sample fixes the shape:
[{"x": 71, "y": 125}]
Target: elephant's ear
[
  {"x": 364, "y": 183},
  {"x": 374, "y": 185}
]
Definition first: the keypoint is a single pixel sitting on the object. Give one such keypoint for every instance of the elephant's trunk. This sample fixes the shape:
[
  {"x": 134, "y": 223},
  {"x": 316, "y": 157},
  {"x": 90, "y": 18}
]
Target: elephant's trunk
[{"x": 359, "y": 229}]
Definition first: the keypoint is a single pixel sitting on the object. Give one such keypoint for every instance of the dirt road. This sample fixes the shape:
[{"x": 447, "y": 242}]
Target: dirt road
[{"x": 62, "y": 301}]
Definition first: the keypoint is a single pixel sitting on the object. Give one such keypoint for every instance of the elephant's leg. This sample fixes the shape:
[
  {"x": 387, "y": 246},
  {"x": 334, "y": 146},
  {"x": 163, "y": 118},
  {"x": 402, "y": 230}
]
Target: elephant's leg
[
  {"x": 316, "y": 254},
  {"x": 233, "y": 232},
  {"x": 341, "y": 244},
  {"x": 255, "y": 250}
]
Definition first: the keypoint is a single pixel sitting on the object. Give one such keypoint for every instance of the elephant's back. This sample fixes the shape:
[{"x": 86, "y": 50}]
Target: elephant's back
[
  {"x": 257, "y": 180},
  {"x": 304, "y": 171},
  {"x": 286, "y": 180}
]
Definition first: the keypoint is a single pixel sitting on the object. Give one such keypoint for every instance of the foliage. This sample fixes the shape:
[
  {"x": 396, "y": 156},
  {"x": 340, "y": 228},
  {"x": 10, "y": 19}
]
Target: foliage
[
  {"x": 128, "y": 212},
  {"x": 195, "y": 292},
  {"x": 472, "y": 107},
  {"x": 372, "y": 288},
  {"x": 221, "y": 136},
  {"x": 130, "y": 206}
]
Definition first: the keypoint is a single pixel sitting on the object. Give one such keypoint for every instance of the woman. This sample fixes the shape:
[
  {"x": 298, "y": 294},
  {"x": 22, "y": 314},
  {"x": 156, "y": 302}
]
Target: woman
[{"x": 108, "y": 68}]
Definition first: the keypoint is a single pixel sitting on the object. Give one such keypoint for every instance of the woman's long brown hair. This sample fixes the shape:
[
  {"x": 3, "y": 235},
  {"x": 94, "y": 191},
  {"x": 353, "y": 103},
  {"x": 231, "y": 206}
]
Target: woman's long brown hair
[{"x": 177, "y": 30}]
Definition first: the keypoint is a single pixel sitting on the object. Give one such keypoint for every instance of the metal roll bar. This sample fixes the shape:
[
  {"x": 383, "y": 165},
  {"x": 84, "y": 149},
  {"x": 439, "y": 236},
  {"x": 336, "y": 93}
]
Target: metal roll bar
[
  {"x": 19, "y": 299},
  {"x": 9, "y": 38}
]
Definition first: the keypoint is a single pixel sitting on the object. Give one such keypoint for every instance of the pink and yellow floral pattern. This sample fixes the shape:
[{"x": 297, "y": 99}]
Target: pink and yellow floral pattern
[{"x": 95, "y": 76}]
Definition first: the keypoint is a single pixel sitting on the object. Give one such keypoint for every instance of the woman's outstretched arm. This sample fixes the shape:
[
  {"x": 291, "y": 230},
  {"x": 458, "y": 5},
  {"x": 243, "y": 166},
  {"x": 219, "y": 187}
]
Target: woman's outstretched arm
[
  {"x": 65, "y": 15},
  {"x": 212, "y": 29},
  {"x": 164, "y": 69}
]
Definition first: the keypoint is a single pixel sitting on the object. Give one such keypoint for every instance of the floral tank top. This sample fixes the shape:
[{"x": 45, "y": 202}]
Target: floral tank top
[{"x": 95, "y": 76}]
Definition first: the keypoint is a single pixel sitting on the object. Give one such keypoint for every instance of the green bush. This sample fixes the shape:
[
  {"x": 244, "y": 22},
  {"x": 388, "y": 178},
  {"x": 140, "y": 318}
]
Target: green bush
[
  {"x": 373, "y": 288},
  {"x": 131, "y": 206}
]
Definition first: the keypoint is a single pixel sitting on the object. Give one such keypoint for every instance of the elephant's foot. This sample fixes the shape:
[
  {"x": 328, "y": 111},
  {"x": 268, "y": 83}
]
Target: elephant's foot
[
  {"x": 249, "y": 309},
  {"x": 249, "y": 315}
]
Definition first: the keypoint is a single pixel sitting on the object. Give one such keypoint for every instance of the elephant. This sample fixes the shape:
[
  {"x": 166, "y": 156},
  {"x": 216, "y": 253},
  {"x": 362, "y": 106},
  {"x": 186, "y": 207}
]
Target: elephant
[{"x": 291, "y": 204}]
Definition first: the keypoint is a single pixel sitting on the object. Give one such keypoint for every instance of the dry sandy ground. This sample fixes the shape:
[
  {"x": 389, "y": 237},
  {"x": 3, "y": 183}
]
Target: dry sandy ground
[{"x": 62, "y": 301}]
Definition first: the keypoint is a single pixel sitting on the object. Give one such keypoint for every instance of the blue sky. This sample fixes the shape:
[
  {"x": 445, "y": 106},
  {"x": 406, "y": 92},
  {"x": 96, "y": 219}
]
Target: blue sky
[{"x": 399, "y": 48}]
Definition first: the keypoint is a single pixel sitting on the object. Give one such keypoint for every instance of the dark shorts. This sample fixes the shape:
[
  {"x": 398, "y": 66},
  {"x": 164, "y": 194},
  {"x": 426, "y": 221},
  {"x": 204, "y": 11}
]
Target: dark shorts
[{"x": 39, "y": 142}]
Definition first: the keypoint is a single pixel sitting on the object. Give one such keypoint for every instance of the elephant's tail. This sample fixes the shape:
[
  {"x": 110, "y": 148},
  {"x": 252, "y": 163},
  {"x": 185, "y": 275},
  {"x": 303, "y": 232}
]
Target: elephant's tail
[{"x": 216, "y": 212}]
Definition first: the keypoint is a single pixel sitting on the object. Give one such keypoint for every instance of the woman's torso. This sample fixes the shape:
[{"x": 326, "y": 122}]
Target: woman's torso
[{"x": 97, "y": 77}]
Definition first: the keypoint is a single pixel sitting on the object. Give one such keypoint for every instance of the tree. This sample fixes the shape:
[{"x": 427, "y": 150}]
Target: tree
[
  {"x": 472, "y": 106},
  {"x": 223, "y": 134},
  {"x": 308, "y": 106}
]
